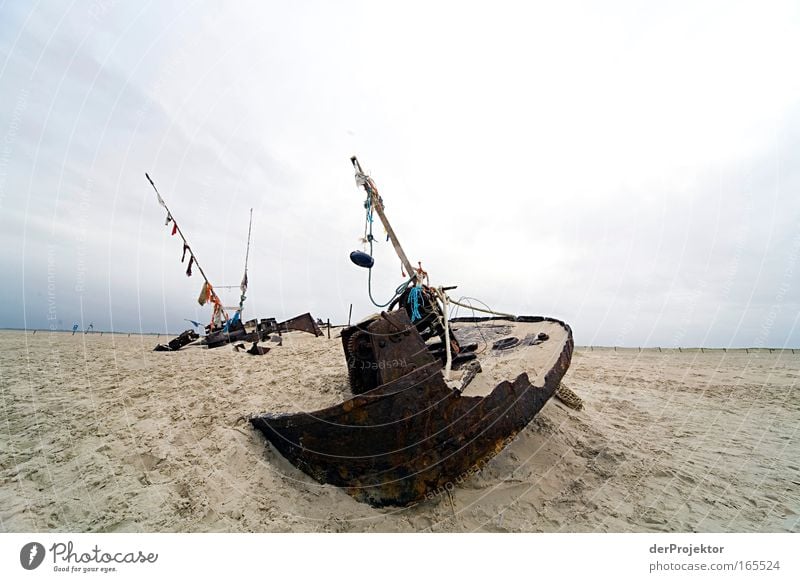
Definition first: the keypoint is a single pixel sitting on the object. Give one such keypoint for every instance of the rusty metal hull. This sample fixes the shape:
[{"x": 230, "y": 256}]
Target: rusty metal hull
[
  {"x": 254, "y": 331},
  {"x": 303, "y": 322},
  {"x": 412, "y": 437}
]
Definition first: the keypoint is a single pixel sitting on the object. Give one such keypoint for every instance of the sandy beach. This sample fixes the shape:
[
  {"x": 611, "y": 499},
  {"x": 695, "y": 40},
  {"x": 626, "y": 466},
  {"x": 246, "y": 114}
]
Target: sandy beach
[{"x": 101, "y": 434}]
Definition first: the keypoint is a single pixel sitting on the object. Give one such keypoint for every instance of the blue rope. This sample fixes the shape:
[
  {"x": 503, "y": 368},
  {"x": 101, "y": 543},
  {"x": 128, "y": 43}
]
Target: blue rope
[
  {"x": 368, "y": 206},
  {"x": 414, "y": 299},
  {"x": 403, "y": 286},
  {"x": 397, "y": 292}
]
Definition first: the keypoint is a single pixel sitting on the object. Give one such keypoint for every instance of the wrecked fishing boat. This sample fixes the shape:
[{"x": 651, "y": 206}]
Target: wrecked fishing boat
[
  {"x": 414, "y": 435},
  {"x": 181, "y": 341},
  {"x": 434, "y": 398},
  {"x": 256, "y": 331},
  {"x": 224, "y": 329}
]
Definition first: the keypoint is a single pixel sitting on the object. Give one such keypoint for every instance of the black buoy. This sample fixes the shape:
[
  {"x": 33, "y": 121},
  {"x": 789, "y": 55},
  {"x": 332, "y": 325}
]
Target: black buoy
[{"x": 362, "y": 259}]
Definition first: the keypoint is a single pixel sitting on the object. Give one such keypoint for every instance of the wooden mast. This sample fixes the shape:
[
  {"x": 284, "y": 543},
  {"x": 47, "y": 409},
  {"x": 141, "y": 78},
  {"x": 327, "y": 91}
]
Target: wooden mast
[{"x": 377, "y": 204}]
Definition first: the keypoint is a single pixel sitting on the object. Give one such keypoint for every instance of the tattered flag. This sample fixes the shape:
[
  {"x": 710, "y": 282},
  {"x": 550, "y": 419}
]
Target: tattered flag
[{"x": 203, "y": 297}]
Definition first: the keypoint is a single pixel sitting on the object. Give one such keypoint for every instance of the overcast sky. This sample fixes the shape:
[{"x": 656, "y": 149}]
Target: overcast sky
[{"x": 630, "y": 168}]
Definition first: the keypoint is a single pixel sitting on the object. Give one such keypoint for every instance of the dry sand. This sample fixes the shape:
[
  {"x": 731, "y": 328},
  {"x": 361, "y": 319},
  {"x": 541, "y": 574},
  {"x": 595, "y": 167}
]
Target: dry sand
[{"x": 102, "y": 434}]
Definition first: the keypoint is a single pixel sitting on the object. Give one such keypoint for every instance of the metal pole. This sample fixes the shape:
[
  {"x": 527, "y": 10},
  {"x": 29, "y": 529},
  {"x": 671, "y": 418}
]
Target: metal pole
[
  {"x": 249, "y": 230},
  {"x": 350, "y": 315},
  {"x": 245, "y": 282}
]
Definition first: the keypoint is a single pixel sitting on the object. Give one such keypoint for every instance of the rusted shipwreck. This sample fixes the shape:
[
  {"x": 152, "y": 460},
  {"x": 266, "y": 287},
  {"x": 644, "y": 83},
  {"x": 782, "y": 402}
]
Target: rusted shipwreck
[
  {"x": 434, "y": 398},
  {"x": 407, "y": 434},
  {"x": 224, "y": 329},
  {"x": 258, "y": 330}
]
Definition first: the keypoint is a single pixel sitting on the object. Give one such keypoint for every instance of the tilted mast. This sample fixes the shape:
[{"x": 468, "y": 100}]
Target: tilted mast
[
  {"x": 213, "y": 297},
  {"x": 377, "y": 203}
]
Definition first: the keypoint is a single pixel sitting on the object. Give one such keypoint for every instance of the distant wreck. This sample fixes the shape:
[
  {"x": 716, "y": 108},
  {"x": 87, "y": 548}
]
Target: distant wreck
[
  {"x": 224, "y": 329},
  {"x": 434, "y": 398}
]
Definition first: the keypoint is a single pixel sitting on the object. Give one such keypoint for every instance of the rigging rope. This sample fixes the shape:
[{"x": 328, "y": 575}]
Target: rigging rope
[
  {"x": 219, "y": 311},
  {"x": 454, "y": 302},
  {"x": 414, "y": 300},
  {"x": 397, "y": 292},
  {"x": 368, "y": 238}
]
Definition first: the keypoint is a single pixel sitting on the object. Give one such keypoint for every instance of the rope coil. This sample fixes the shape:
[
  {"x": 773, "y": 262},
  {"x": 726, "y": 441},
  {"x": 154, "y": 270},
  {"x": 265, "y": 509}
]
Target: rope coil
[{"x": 414, "y": 299}]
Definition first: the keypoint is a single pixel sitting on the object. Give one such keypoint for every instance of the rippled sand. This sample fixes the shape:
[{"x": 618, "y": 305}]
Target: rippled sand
[{"x": 99, "y": 433}]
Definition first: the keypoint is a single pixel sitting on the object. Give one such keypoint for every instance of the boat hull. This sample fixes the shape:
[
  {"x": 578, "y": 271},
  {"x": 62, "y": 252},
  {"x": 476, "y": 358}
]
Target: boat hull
[
  {"x": 255, "y": 331},
  {"x": 414, "y": 437}
]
